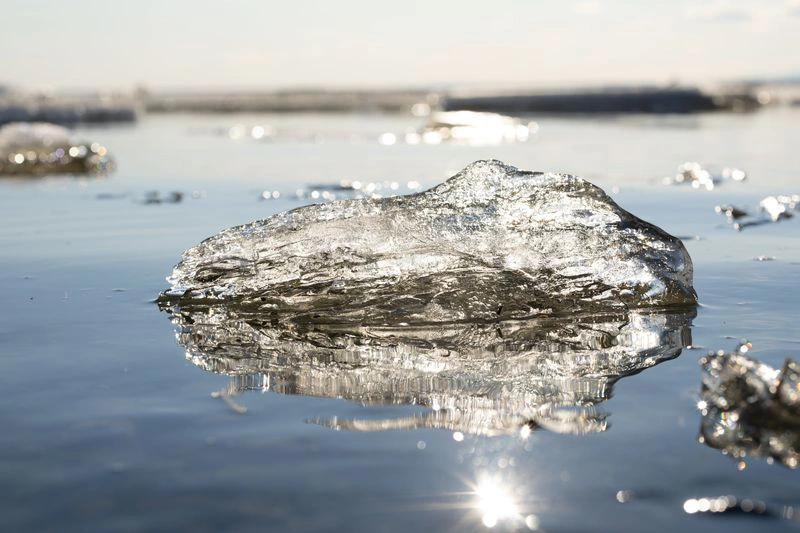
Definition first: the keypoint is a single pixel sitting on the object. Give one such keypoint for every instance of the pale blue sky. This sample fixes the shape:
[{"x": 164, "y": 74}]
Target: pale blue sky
[{"x": 261, "y": 43}]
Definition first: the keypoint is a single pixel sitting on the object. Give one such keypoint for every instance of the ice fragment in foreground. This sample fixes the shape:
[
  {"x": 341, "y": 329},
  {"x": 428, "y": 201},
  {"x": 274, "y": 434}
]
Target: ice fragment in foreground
[
  {"x": 492, "y": 242},
  {"x": 750, "y": 408}
]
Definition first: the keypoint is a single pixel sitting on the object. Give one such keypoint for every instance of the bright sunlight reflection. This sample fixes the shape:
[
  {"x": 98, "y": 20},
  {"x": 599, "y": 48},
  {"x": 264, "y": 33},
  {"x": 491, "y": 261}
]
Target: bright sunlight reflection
[{"x": 495, "y": 502}]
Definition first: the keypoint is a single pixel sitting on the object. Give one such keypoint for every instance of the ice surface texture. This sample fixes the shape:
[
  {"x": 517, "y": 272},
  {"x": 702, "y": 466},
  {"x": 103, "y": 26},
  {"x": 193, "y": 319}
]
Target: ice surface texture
[
  {"x": 481, "y": 378},
  {"x": 750, "y": 408},
  {"x": 491, "y": 243}
]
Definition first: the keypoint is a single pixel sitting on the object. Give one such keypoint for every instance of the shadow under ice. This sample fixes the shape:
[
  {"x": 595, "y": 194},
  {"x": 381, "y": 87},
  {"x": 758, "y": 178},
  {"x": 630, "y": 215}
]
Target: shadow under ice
[{"x": 480, "y": 378}]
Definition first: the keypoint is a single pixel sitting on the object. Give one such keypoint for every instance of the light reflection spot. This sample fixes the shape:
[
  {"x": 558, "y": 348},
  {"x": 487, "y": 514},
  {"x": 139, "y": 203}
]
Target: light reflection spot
[
  {"x": 495, "y": 502},
  {"x": 489, "y": 520}
]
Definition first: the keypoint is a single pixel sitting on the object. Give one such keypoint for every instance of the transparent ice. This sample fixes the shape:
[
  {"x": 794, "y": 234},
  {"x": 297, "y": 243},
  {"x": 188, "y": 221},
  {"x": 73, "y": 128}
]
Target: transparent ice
[
  {"x": 696, "y": 175},
  {"x": 497, "y": 378},
  {"x": 750, "y": 408},
  {"x": 491, "y": 243},
  {"x": 38, "y": 148},
  {"x": 770, "y": 209}
]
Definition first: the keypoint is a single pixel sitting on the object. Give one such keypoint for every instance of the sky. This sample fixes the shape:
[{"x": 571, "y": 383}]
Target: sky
[{"x": 183, "y": 44}]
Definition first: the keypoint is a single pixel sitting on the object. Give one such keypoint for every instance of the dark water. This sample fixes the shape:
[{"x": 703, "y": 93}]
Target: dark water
[{"x": 107, "y": 427}]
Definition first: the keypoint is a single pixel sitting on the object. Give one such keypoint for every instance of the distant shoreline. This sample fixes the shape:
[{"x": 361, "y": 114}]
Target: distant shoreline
[{"x": 127, "y": 107}]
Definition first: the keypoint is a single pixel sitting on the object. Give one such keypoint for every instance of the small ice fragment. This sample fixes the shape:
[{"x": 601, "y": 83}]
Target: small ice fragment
[
  {"x": 155, "y": 197},
  {"x": 750, "y": 408},
  {"x": 771, "y": 209},
  {"x": 777, "y": 208},
  {"x": 41, "y": 148},
  {"x": 699, "y": 177},
  {"x": 732, "y": 212}
]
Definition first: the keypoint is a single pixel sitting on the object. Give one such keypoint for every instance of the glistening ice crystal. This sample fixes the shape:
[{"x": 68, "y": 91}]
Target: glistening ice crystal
[
  {"x": 750, "y": 408},
  {"x": 40, "y": 148},
  {"x": 492, "y": 242},
  {"x": 505, "y": 377}
]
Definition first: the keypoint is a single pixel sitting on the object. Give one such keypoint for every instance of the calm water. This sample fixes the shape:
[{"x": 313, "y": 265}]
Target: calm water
[{"x": 107, "y": 426}]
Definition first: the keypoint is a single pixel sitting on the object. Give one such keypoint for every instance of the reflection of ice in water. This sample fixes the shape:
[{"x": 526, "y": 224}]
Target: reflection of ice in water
[
  {"x": 503, "y": 378},
  {"x": 482, "y": 378}
]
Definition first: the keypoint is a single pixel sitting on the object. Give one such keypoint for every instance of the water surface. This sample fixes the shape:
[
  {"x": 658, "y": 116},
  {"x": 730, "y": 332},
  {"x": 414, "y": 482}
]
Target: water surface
[{"x": 109, "y": 428}]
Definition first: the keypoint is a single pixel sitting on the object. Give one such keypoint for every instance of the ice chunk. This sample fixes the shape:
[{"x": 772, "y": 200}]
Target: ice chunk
[
  {"x": 770, "y": 209},
  {"x": 731, "y": 211},
  {"x": 500, "y": 378},
  {"x": 490, "y": 243},
  {"x": 779, "y": 207},
  {"x": 750, "y": 408},
  {"x": 699, "y": 177},
  {"x": 42, "y": 148}
]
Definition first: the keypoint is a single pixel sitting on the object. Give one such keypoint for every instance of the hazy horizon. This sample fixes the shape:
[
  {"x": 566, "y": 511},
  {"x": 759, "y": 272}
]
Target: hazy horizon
[{"x": 356, "y": 44}]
